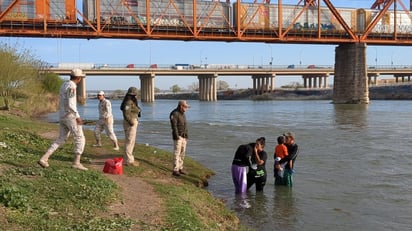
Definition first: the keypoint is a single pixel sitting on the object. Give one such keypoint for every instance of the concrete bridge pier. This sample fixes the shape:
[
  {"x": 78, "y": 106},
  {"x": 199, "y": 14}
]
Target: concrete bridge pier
[
  {"x": 315, "y": 81},
  {"x": 373, "y": 78},
  {"x": 402, "y": 77},
  {"x": 81, "y": 91},
  {"x": 263, "y": 83},
  {"x": 207, "y": 87},
  {"x": 351, "y": 75},
  {"x": 147, "y": 88}
]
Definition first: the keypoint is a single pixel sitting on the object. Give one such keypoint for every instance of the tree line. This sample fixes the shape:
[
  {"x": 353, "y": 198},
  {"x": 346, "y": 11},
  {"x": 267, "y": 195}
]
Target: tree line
[{"x": 25, "y": 84}]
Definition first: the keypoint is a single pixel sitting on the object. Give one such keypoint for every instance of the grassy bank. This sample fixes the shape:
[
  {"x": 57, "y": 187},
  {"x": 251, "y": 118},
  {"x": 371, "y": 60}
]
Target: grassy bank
[{"x": 62, "y": 198}]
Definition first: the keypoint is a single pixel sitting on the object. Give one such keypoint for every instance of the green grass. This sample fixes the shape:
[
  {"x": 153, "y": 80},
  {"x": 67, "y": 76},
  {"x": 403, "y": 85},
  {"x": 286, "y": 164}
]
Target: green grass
[{"x": 62, "y": 198}]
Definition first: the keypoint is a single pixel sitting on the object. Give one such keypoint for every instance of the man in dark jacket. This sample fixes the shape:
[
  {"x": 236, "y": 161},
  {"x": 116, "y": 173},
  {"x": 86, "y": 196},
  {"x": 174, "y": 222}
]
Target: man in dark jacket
[{"x": 179, "y": 134}]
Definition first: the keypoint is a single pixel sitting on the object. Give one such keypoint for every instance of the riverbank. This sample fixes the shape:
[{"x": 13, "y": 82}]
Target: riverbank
[
  {"x": 384, "y": 92},
  {"x": 147, "y": 197}
]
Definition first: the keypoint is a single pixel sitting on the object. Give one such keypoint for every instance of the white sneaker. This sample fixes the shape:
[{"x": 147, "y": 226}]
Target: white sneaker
[
  {"x": 96, "y": 145},
  {"x": 116, "y": 148},
  {"x": 43, "y": 163},
  {"x": 79, "y": 166}
]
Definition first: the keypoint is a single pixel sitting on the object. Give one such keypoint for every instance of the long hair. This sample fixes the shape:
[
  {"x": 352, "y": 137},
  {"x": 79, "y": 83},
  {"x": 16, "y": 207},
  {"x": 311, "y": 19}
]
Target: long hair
[{"x": 127, "y": 97}]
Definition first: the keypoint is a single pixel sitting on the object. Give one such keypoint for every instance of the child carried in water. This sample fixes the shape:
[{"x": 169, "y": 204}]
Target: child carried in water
[{"x": 281, "y": 151}]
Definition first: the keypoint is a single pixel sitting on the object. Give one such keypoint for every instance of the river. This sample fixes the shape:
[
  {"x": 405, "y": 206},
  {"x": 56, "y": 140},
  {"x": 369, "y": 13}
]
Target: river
[{"x": 353, "y": 171}]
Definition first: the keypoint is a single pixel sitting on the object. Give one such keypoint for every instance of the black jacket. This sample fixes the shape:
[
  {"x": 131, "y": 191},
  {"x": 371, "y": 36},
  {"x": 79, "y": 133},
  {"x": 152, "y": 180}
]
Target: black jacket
[
  {"x": 293, "y": 151},
  {"x": 178, "y": 123},
  {"x": 243, "y": 155}
]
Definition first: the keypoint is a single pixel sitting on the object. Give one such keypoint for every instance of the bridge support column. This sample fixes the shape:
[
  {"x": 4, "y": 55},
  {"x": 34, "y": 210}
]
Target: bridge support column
[
  {"x": 325, "y": 81},
  {"x": 315, "y": 80},
  {"x": 373, "y": 79},
  {"x": 147, "y": 88},
  {"x": 305, "y": 82},
  {"x": 351, "y": 77},
  {"x": 207, "y": 87},
  {"x": 81, "y": 92},
  {"x": 404, "y": 78},
  {"x": 263, "y": 83}
]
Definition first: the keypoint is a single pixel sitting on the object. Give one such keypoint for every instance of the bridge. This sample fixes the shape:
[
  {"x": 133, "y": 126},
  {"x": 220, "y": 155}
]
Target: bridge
[
  {"x": 382, "y": 22},
  {"x": 314, "y": 76}
]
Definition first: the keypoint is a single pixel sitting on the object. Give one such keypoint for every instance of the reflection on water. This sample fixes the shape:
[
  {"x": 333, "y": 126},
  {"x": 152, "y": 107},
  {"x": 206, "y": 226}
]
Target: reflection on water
[
  {"x": 348, "y": 115},
  {"x": 284, "y": 209},
  {"x": 253, "y": 207},
  {"x": 261, "y": 212}
]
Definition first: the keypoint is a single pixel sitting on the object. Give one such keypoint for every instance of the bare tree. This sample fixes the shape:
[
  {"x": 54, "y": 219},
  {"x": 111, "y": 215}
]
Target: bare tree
[
  {"x": 193, "y": 87},
  {"x": 222, "y": 85}
]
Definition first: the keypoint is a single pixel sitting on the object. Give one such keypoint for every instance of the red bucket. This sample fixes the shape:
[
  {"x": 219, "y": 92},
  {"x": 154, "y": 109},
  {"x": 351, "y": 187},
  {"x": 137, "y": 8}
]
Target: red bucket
[{"x": 114, "y": 166}]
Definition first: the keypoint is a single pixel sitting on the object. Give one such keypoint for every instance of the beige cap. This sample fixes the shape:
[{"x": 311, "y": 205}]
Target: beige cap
[
  {"x": 289, "y": 134},
  {"x": 100, "y": 93},
  {"x": 183, "y": 103},
  {"x": 77, "y": 72}
]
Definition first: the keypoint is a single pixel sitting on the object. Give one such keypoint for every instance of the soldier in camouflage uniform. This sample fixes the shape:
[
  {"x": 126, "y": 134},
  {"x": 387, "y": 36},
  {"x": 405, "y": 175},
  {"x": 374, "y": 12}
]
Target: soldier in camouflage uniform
[
  {"x": 131, "y": 113},
  {"x": 105, "y": 122},
  {"x": 70, "y": 121}
]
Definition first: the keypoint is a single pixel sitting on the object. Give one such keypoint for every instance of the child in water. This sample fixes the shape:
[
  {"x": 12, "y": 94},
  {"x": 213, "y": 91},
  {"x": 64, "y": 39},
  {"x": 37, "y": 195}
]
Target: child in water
[{"x": 281, "y": 151}]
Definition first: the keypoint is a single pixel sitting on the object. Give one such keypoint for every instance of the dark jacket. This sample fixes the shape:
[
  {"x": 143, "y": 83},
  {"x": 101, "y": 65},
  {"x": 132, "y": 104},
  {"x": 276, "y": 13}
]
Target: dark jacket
[
  {"x": 243, "y": 155},
  {"x": 293, "y": 151},
  {"x": 131, "y": 110},
  {"x": 178, "y": 123}
]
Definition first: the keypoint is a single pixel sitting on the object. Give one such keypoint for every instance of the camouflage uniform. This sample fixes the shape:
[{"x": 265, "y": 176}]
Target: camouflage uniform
[
  {"x": 131, "y": 112},
  {"x": 105, "y": 122},
  {"x": 68, "y": 115}
]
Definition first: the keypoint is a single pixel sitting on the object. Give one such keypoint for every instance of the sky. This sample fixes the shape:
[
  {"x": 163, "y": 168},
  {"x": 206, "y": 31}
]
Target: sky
[{"x": 145, "y": 52}]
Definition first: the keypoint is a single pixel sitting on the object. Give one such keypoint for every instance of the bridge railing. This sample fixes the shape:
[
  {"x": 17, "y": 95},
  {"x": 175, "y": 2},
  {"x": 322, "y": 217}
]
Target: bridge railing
[
  {"x": 183, "y": 66},
  {"x": 89, "y": 66}
]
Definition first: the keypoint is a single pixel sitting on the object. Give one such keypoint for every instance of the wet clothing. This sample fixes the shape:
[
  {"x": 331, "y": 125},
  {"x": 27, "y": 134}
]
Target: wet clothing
[
  {"x": 287, "y": 179},
  {"x": 105, "y": 121},
  {"x": 179, "y": 134},
  {"x": 131, "y": 112},
  {"x": 239, "y": 178},
  {"x": 258, "y": 176},
  {"x": 240, "y": 164},
  {"x": 280, "y": 151},
  {"x": 243, "y": 155},
  {"x": 293, "y": 151}
]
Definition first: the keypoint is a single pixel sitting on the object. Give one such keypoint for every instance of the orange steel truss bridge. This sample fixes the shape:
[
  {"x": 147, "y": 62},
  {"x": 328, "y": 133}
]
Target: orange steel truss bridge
[{"x": 385, "y": 22}]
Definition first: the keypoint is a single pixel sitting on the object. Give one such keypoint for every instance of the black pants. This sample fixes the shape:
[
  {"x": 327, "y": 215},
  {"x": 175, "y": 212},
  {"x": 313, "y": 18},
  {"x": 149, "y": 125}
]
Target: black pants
[{"x": 259, "y": 181}]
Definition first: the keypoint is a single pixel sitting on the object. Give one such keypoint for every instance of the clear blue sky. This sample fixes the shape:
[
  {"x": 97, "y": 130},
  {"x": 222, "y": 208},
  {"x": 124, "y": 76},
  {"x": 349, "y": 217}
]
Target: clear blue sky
[{"x": 120, "y": 51}]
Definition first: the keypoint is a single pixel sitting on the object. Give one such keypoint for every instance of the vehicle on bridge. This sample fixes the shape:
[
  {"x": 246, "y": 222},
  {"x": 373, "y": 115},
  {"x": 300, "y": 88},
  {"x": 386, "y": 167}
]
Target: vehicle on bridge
[{"x": 181, "y": 66}]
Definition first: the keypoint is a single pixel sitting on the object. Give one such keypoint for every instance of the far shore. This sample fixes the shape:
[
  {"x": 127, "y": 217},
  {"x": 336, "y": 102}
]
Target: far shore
[{"x": 401, "y": 91}]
